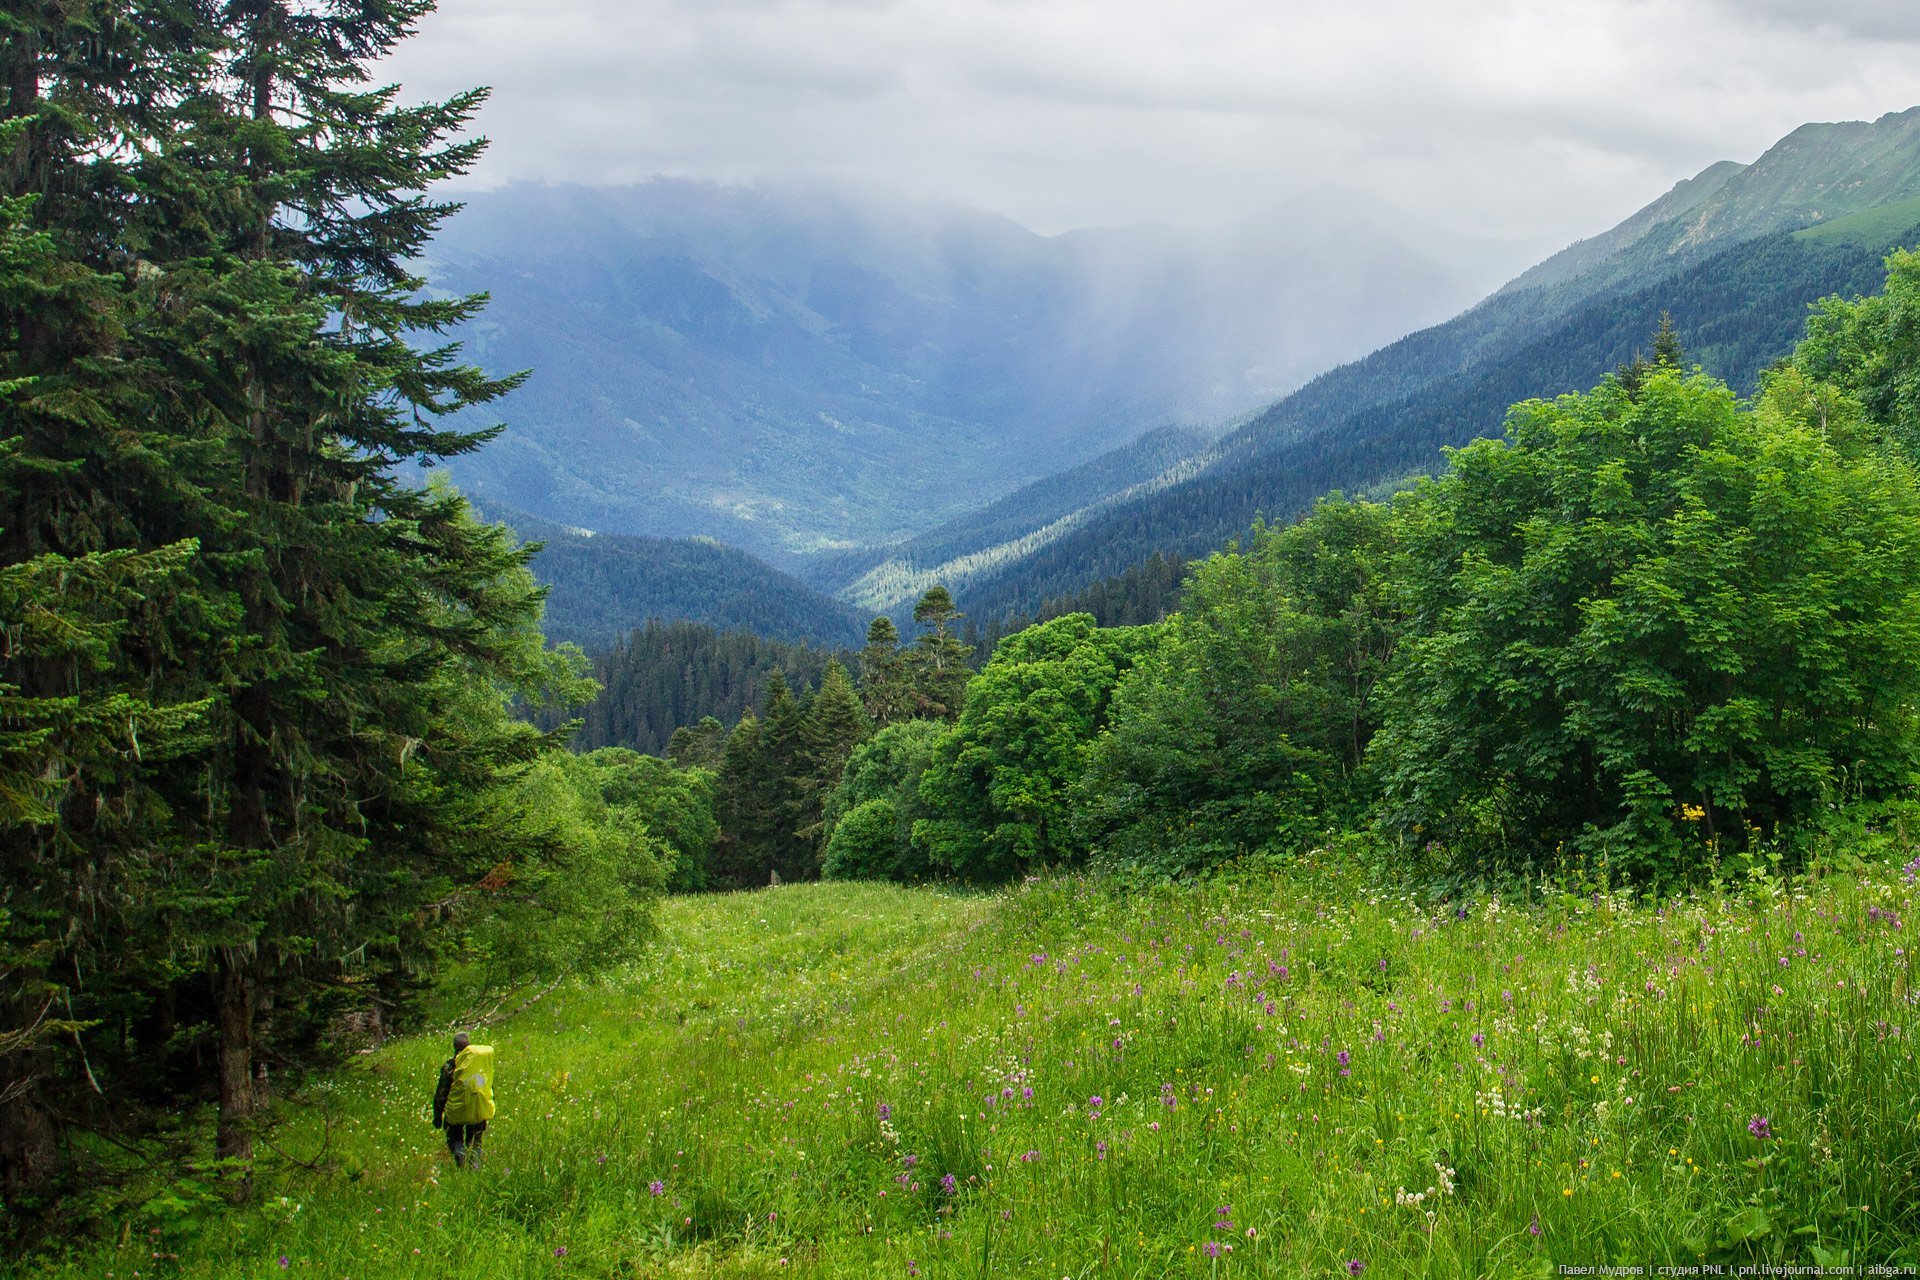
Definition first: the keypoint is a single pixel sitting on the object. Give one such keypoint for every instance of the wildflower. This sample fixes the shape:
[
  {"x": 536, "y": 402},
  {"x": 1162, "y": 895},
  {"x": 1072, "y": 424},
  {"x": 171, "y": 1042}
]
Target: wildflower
[
  {"x": 1095, "y": 1102},
  {"x": 950, "y": 1185},
  {"x": 1100, "y": 1150},
  {"x": 1355, "y": 1266},
  {"x": 886, "y": 1112},
  {"x": 1479, "y": 1039},
  {"x": 657, "y": 1187},
  {"x": 285, "y": 1262},
  {"x": 1760, "y": 1127},
  {"x": 1533, "y": 1227},
  {"x": 1211, "y": 1248},
  {"x": 560, "y": 1251}
]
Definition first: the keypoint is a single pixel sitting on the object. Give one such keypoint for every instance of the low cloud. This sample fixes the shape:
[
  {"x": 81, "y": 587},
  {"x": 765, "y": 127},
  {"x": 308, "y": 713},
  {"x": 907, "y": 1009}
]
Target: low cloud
[{"x": 1547, "y": 119}]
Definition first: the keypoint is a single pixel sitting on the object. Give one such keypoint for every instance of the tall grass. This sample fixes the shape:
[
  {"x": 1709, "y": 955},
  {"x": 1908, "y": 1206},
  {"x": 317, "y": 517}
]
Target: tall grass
[{"x": 1295, "y": 1077}]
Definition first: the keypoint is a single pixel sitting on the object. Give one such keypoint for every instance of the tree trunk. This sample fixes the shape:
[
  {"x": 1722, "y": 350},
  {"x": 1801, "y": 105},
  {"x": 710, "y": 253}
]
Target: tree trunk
[{"x": 234, "y": 997}]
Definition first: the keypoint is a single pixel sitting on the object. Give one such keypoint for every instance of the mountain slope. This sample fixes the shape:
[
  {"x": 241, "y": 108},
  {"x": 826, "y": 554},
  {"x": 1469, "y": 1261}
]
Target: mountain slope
[
  {"x": 800, "y": 372},
  {"x": 1735, "y": 254},
  {"x": 602, "y": 586},
  {"x": 1735, "y": 314}
]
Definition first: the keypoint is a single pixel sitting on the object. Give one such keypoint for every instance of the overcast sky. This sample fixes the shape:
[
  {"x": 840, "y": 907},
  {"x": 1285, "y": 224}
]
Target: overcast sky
[{"x": 1534, "y": 119}]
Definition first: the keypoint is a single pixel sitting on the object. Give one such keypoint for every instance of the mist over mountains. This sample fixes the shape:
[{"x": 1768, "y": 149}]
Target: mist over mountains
[
  {"x": 876, "y": 396},
  {"x": 804, "y": 372}
]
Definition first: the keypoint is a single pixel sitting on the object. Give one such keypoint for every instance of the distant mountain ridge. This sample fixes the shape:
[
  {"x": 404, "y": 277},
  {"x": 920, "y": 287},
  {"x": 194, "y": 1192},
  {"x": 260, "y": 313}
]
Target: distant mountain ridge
[
  {"x": 602, "y": 586},
  {"x": 803, "y": 373},
  {"x": 1735, "y": 254}
]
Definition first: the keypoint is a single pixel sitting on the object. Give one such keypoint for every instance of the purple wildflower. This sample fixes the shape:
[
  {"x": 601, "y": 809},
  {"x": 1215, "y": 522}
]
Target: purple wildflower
[
  {"x": 1211, "y": 1248},
  {"x": 657, "y": 1187},
  {"x": 1760, "y": 1127},
  {"x": 1355, "y": 1266},
  {"x": 886, "y": 1112},
  {"x": 285, "y": 1262},
  {"x": 560, "y": 1251},
  {"x": 950, "y": 1185},
  {"x": 1479, "y": 1038},
  {"x": 1533, "y": 1228}
]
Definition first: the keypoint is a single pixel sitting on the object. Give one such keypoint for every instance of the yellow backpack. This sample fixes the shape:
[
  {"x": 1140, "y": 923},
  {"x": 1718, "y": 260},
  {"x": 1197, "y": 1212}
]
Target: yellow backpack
[{"x": 471, "y": 1100}]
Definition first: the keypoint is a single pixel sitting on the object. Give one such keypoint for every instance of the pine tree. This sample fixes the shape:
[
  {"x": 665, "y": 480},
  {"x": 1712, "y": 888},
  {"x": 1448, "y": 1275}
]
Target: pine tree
[
  {"x": 885, "y": 690},
  {"x": 741, "y": 852},
  {"x": 938, "y": 662},
  {"x": 1667, "y": 351},
  {"x": 781, "y": 734},
  {"x": 835, "y": 724}
]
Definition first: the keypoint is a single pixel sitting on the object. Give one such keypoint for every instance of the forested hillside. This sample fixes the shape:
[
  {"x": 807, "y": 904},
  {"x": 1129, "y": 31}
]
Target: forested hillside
[
  {"x": 600, "y": 586},
  {"x": 669, "y": 675},
  {"x": 1357, "y": 429},
  {"x": 1719, "y": 252}
]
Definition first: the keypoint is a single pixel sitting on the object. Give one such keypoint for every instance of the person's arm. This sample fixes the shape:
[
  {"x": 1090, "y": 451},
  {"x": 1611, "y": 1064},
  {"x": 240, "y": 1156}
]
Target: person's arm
[{"x": 442, "y": 1092}]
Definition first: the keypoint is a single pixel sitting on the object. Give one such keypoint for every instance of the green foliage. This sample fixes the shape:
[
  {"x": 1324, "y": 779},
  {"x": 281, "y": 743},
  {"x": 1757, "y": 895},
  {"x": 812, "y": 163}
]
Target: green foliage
[
  {"x": 999, "y": 785},
  {"x": 1643, "y": 624},
  {"x": 667, "y": 676},
  {"x": 1240, "y": 731},
  {"x": 675, "y": 803},
  {"x": 576, "y": 899},
  {"x": 866, "y": 844},
  {"x": 1869, "y": 348},
  {"x": 882, "y": 776}
]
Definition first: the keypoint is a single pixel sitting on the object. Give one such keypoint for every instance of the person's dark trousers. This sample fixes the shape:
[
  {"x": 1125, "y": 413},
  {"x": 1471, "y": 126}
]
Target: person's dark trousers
[{"x": 463, "y": 1140}]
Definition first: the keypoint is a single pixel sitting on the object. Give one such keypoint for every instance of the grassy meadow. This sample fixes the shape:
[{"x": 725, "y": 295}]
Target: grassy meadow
[{"x": 1299, "y": 1076}]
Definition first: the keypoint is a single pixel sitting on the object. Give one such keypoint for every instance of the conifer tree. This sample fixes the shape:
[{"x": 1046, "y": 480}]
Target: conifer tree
[
  {"x": 742, "y": 852},
  {"x": 781, "y": 737},
  {"x": 885, "y": 690},
  {"x": 938, "y": 661},
  {"x": 835, "y": 724}
]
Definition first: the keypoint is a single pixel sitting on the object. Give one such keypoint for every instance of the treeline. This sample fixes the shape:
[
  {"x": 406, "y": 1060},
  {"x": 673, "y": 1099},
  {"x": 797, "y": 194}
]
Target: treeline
[
  {"x": 1651, "y": 627},
  {"x": 599, "y": 585},
  {"x": 775, "y": 773},
  {"x": 668, "y": 675},
  {"x": 1145, "y": 593},
  {"x": 259, "y": 779}
]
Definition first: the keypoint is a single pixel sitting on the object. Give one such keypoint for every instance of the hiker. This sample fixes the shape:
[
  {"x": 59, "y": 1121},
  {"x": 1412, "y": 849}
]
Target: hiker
[{"x": 463, "y": 1102}]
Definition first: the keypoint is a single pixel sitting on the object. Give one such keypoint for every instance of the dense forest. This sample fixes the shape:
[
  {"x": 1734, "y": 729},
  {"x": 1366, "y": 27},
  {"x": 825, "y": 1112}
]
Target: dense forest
[
  {"x": 599, "y": 586},
  {"x": 669, "y": 675}
]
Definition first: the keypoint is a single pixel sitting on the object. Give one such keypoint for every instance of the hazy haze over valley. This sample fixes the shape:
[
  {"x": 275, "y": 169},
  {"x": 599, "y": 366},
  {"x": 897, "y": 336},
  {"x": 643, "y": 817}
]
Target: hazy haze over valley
[{"x": 831, "y": 282}]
